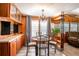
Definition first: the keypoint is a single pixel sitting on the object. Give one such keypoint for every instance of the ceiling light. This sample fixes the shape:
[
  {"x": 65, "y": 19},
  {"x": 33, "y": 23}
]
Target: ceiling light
[{"x": 43, "y": 17}]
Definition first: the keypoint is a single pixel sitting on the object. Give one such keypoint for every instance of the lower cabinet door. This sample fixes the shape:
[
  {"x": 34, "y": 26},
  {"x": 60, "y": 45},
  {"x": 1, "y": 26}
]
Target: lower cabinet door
[
  {"x": 18, "y": 44},
  {"x": 13, "y": 48}
]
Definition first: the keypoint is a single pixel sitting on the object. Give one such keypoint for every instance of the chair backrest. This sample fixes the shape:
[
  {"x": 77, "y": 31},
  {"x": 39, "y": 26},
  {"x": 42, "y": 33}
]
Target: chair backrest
[{"x": 37, "y": 33}]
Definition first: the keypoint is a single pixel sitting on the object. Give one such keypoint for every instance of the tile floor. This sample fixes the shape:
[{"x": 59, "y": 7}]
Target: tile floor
[
  {"x": 69, "y": 50},
  {"x": 22, "y": 52}
]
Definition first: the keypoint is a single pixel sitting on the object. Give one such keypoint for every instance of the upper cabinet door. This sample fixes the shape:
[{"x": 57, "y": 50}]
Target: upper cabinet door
[
  {"x": 4, "y": 9},
  {"x": 18, "y": 15},
  {"x": 13, "y": 11}
]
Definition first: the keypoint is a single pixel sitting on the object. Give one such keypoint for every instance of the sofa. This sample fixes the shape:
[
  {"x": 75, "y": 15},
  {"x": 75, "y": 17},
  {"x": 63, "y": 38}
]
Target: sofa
[{"x": 73, "y": 39}]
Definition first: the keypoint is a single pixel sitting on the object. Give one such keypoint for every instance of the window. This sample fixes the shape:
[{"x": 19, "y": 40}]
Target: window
[
  {"x": 66, "y": 27},
  {"x": 35, "y": 27},
  {"x": 43, "y": 27},
  {"x": 73, "y": 27}
]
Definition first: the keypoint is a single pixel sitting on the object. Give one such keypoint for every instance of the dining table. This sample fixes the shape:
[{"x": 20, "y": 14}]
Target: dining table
[{"x": 42, "y": 44}]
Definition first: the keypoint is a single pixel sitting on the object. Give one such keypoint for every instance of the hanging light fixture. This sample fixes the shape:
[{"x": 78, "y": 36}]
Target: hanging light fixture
[{"x": 43, "y": 17}]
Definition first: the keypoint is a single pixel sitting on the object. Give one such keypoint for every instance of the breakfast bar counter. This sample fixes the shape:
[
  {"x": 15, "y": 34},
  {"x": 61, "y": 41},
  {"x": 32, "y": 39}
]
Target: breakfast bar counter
[{"x": 10, "y": 38}]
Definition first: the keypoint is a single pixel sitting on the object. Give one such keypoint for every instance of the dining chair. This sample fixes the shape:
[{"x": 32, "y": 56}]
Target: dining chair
[
  {"x": 54, "y": 44},
  {"x": 32, "y": 44}
]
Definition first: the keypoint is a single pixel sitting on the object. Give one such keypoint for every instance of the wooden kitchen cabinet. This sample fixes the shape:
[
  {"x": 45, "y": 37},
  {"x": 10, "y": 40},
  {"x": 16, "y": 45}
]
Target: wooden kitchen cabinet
[
  {"x": 10, "y": 11},
  {"x": 11, "y": 47},
  {"x": 4, "y": 49},
  {"x": 18, "y": 44},
  {"x": 4, "y": 9},
  {"x": 22, "y": 41},
  {"x": 8, "y": 48}
]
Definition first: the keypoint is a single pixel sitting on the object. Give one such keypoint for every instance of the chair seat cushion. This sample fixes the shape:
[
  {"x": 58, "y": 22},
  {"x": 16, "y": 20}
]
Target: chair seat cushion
[
  {"x": 52, "y": 42},
  {"x": 32, "y": 44},
  {"x": 34, "y": 39}
]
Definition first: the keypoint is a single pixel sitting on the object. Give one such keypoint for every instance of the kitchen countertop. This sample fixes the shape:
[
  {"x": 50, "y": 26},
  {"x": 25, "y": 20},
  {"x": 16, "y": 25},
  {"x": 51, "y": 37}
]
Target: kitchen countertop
[{"x": 10, "y": 38}]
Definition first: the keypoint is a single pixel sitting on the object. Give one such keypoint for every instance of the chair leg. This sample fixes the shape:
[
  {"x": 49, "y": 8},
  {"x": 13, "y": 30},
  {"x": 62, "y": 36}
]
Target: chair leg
[
  {"x": 55, "y": 48},
  {"x": 45, "y": 52},
  {"x": 36, "y": 50},
  {"x": 48, "y": 50},
  {"x": 27, "y": 51}
]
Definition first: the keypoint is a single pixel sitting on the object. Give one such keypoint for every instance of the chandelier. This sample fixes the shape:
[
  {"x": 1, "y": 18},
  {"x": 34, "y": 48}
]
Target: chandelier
[{"x": 43, "y": 17}]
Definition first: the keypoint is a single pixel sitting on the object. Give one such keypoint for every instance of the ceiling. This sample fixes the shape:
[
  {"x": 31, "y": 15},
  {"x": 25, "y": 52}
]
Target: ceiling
[{"x": 50, "y": 9}]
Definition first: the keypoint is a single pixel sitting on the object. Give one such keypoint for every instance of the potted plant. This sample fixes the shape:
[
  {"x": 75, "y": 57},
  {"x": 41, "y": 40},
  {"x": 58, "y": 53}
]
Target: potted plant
[{"x": 55, "y": 31}]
